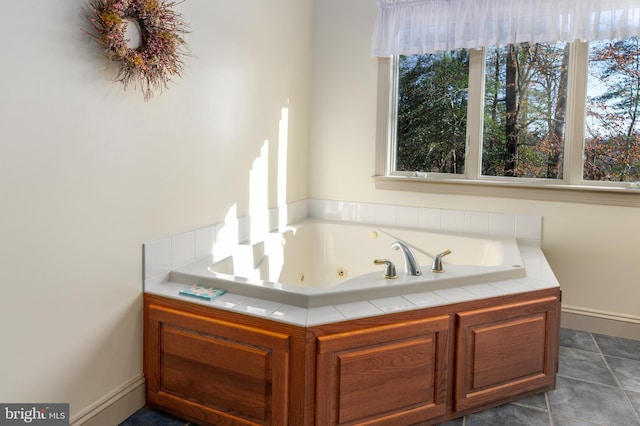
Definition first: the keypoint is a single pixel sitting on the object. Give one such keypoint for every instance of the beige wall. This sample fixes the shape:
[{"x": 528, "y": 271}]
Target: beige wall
[
  {"x": 89, "y": 172},
  {"x": 594, "y": 250}
]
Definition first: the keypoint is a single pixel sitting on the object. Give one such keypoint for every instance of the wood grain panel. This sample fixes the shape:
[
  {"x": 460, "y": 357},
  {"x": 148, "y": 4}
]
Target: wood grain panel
[
  {"x": 517, "y": 347},
  {"x": 394, "y": 375},
  {"x": 194, "y": 366},
  {"x": 506, "y": 350},
  {"x": 232, "y": 373},
  {"x": 387, "y": 375}
]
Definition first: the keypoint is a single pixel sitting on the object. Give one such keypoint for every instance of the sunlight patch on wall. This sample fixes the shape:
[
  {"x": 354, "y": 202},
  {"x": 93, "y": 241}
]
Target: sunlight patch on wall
[
  {"x": 228, "y": 234},
  {"x": 259, "y": 194},
  {"x": 247, "y": 238},
  {"x": 283, "y": 147}
]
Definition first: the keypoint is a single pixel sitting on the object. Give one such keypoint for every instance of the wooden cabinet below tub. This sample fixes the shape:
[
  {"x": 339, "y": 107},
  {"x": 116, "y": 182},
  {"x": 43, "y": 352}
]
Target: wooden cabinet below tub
[
  {"x": 393, "y": 374},
  {"x": 424, "y": 366},
  {"x": 506, "y": 349},
  {"x": 216, "y": 371}
]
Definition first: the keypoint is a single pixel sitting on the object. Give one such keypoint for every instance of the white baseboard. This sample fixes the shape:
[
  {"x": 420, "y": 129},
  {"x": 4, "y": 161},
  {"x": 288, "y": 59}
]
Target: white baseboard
[
  {"x": 601, "y": 322},
  {"x": 115, "y": 407}
]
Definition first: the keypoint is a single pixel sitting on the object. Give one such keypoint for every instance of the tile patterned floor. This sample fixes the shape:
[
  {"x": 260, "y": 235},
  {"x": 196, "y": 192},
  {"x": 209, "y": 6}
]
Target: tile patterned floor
[{"x": 598, "y": 384}]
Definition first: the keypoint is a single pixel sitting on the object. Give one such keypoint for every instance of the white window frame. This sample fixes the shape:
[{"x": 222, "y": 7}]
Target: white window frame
[{"x": 571, "y": 188}]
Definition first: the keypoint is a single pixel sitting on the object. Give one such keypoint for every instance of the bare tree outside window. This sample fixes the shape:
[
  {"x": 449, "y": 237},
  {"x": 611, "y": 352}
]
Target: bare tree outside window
[
  {"x": 524, "y": 111},
  {"x": 432, "y": 112},
  {"x": 612, "y": 134}
]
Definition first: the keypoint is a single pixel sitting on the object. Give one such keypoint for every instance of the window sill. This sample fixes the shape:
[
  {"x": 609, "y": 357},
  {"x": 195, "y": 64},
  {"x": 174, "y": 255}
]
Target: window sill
[{"x": 601, "y": 195}]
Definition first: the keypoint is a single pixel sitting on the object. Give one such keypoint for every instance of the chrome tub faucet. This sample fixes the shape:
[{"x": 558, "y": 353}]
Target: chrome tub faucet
[{"x": 411, "y": 265}]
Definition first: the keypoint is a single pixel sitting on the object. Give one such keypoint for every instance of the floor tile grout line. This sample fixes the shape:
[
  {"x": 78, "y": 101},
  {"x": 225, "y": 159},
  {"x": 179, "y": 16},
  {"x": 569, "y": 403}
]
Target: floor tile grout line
[
  {"x": 581, "y": 350},
  {"x": 608, "y": 367},
  {"x": 577, "y": 379},
  {"x": 551, "y": 412},
  {"x": 528, "y": 406},
  {"x": 624, "y": 339},
  {"x": 633, "y": 408},
  {"x": 595, "y": 342},
  {"x": 624, "y": 358},
  {"x": 606, "y": 364},
  {"x": 615, "y": 377},
  {"x": 548, "y": 404}
]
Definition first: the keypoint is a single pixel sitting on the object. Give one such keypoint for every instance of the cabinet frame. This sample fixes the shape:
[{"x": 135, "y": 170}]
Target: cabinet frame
[{"x": 300, "y": 356}]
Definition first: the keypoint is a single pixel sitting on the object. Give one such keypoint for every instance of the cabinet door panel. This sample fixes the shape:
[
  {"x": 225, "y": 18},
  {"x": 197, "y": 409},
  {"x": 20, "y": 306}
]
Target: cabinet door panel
[
  {"x": 195, "y": 367},
  {"x": 506, "y": 350},
  {"x": 383, "y": 375},
  {"x": 222, "y": 372},
  {"x": 517, "y": 347}
]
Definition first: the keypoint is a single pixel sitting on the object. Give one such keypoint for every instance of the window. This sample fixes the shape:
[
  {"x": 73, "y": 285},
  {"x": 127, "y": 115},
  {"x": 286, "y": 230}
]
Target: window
[
  {"x": 612, "y": 129},
  {"x": 540, "y": 114},
  {"x": 524, "y": 110},
  {"x": 434, "y": 85}
]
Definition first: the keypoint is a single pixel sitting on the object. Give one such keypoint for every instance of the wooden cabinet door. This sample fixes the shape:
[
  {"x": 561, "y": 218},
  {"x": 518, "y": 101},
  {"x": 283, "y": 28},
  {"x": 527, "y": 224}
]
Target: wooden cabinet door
[
  {"x": 506, "y": 350},
  {"x": 215, "y": 371},
  {"x": 386, "y": 375}
]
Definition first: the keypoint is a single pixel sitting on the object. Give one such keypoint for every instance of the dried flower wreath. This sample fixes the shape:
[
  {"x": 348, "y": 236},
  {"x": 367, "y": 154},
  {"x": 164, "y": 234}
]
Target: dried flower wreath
[{"x": 159, "y": 56}]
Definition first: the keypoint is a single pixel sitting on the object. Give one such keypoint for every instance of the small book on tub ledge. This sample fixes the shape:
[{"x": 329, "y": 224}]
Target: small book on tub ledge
[{"x": 202, "y": 292}]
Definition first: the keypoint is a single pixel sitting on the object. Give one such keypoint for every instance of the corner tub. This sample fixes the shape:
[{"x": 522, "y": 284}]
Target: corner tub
[{"x": 316, "y": 263}]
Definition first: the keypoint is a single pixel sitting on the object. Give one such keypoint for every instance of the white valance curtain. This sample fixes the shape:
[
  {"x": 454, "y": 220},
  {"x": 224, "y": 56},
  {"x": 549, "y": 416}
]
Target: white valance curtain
[{"x": 406, "y": 27}]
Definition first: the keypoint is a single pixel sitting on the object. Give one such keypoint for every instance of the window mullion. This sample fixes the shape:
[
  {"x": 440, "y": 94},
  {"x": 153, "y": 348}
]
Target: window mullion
[
  {"x": 576, "y": 110},
  {"x": 473, "y": 164},
  {"x": 386, "y": 116}
]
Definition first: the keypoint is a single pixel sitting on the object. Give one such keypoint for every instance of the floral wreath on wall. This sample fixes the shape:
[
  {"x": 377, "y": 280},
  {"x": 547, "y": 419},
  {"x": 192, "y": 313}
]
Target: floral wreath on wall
[{"x": 162, "y": 48}]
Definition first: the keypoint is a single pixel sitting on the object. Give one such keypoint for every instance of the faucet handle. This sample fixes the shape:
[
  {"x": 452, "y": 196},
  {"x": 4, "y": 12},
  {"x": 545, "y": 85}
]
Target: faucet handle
[
  {"x": 390, "y": 270},
  {"x": 436, "y": 265}
]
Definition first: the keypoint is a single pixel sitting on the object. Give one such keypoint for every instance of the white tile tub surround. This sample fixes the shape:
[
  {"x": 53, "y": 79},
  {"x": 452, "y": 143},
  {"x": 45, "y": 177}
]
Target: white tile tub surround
[
  {"x": 333, "y": 210},
  {"x": 429, "y": 218},
  {"x": 527, "y": 229},
  {"x": 290, "y": 314},
  {"x": 162, "y": 255},
  {"x": 365, "y": 213},
  {"x": 455, "y": 295},
  {"x": 205, "y": 239},
  {"x": 157, "y": 258},
  {"x": 323, "y": 315},
  {"x": 170, "y": 253},
  {"x": 452, "y": 221},
  {"x": 259, "y": 307},
  {"x": 183, "y": 249},
  {"x": 356, "y": 310},
  {"x": 539, "y": 277},
  {"x": 393, "y": 304}
]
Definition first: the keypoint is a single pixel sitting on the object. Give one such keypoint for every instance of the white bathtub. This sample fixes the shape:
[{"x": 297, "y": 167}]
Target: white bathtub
[{"x": 316, "y": 263}]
